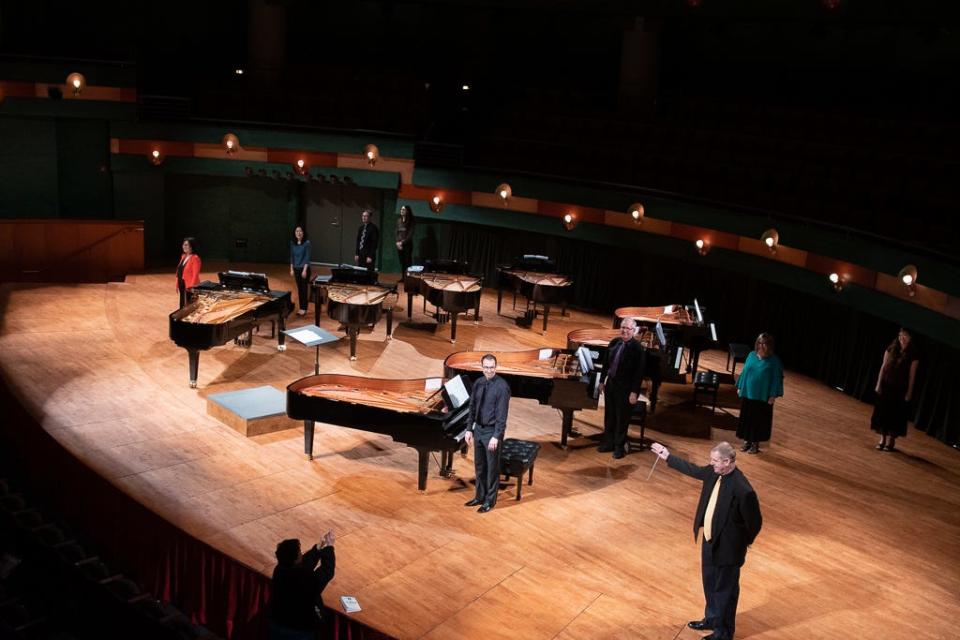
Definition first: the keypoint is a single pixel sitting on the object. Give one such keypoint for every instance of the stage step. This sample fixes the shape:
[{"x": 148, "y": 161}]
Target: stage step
[{"x": 252, "y": 412}]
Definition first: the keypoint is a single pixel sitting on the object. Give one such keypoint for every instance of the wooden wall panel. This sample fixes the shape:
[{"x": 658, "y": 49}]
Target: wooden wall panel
[{"x": 70, "y": 250}]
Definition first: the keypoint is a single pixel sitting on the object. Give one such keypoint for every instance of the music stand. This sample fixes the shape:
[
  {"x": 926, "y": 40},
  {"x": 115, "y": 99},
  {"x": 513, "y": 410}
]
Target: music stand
[{"x": 312, "y": 336}]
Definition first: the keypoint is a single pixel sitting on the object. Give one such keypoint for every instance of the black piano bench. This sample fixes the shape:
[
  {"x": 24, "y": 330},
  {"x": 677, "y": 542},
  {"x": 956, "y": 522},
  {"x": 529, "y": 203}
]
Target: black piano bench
[
  {"x": 706, "y": 381},
  {"x": 516, "y": 457}
]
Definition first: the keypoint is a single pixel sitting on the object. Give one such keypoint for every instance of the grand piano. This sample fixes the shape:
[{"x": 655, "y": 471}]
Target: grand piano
[
  {"x": 536, "y": 279},
  {"x": 427, "y": 414},
  {"x": 560, "y": 378},
  {"x": 227, "y": 310},
  {"x": 354, "y": 299},
  {"x": 450, "y": 290},
  {"x": 683, "y": 329},
  {"x": 597, "y": 340}
]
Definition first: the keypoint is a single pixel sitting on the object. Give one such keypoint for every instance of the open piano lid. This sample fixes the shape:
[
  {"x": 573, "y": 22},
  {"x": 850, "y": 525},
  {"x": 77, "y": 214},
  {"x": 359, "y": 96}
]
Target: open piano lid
[
  {"x": 244, "y": 281},
  {"x": 352, "y": 274}
]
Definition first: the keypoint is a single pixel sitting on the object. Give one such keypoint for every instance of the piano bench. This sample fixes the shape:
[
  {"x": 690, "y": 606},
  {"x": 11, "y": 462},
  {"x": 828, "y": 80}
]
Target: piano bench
[
  {"x": 737, "y": 352},
  {"x": 516, "y": 457},
  {"x": 706, "y": 381}
]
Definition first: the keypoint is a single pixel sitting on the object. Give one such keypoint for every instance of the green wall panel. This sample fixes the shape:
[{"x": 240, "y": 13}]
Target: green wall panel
[
  {"x": 28, "y": 168},
  {"x": 83, "y": 161}
]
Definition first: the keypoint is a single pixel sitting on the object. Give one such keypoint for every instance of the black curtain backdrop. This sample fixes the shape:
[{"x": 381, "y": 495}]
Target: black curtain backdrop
[{"x": 841, "y": 346}]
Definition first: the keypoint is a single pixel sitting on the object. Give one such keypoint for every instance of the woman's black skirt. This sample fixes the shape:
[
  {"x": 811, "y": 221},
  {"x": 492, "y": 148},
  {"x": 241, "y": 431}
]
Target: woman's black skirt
[
  {"x": 890, "y": 414},
  {"x": 756, "y": 420}
]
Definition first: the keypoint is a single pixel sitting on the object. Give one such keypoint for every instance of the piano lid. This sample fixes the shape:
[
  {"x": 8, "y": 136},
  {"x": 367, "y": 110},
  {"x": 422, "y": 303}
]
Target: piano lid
[
  {"x": 446, "y": 265},
  {"x": 244, "y": 281},
  {"x": 353, "y": 274},
  {"x": 451, "y": 282},
  {"x": 533, "y": 262}
]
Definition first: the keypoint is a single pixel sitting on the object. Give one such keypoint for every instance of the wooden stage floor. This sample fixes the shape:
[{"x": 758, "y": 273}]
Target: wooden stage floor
[{"x": 856, "y": 543}]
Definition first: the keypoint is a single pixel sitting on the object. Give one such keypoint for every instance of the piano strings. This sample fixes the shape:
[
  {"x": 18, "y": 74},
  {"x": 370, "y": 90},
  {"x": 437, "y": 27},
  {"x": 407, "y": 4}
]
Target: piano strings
[
  {"x": 214, "y": 308},
  {"x": 403, "y": 401}
]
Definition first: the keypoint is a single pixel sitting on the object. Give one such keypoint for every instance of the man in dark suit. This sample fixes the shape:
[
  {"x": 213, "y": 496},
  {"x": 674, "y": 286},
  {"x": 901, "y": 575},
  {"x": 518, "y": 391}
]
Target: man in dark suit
[
  {"x": 490, "y": 399},
  {"x": 368, "y": 240},
  {"x": 620, "y": 385},
  {"x": 729, "y": 513}
]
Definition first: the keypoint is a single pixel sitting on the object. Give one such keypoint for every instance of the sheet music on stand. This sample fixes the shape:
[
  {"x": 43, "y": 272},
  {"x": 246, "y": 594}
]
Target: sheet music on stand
[{"x": 312, "y": 336}]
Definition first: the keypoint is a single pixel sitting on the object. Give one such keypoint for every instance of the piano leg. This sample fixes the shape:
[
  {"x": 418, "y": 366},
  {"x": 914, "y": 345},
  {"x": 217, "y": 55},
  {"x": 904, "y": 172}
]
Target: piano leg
[
  {"x": 566, "y": 427},
  {"x": 308, "y": 438},
  {"x": 281, "y": 336},
  {"x": 409, "y": 305},
  {"x": 194, "y": 358},
  {"x": 316, "y": 306},
  {"x": 446, "y": 463},
  {"x": 499, "y": 298},
  {"x": 352, "y": 332},
  {"x": 453, "y": 327},
  {"x": 546, "y": 314},
  {"x": 476, "y": 312},
  {"x": 389, "y": 324},
  {"x": 423, "y": 465}
]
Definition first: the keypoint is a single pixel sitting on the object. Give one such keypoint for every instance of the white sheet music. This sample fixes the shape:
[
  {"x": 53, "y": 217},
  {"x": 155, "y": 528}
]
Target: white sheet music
[
  {"x": 456, "y": 391},
  {"x": 305, "y": 335},
  {"x": 350, "y": 604},
  {"x": 432, "y": 384},
  {"x": 545, "y": 353}
]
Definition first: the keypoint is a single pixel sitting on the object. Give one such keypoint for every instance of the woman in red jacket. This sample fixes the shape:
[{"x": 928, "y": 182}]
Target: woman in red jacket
[{"x": 188, "y": 271}]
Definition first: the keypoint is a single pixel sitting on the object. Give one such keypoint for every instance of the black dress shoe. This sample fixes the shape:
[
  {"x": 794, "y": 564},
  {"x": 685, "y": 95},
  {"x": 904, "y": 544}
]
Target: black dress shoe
[
  {"x": 700, "y": 625},
  {"x": 486, "y": 507},
  {"x": 472, "y": 503},
  {"x": 618, "y": 454},
  {"x": 605, "y": 448}
]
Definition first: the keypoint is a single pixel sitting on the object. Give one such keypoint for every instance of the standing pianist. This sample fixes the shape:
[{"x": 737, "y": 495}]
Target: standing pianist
[{"x": 488, "y": 422}]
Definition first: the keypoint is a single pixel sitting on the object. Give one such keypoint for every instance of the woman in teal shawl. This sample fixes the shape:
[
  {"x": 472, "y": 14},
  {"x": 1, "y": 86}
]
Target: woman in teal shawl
[{"x": 759, "y": 385}]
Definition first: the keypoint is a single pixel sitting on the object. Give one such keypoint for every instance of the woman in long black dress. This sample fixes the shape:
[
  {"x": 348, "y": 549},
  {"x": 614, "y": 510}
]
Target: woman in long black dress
[
  {"x": 894, "y": 391},
  {"x": 405, "y": 239}
]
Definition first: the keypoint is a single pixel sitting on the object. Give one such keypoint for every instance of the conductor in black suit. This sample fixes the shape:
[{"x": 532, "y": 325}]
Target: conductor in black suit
[
  {"x": 490, "y": 399},
  {"x": 620, "y": 383},
  {"x": 729, "y": 514},
  {"x": 368, "y": 240}
]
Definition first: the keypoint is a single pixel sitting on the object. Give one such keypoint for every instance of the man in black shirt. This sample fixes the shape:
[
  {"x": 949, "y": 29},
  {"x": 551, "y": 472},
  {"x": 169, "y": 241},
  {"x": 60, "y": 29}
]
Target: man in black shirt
[
  {"x": 296, "y": 604},
  {"x": 620, "y": 385},
  {"x": 488, "y": 422},
  {"x": 368, "y": 240}
]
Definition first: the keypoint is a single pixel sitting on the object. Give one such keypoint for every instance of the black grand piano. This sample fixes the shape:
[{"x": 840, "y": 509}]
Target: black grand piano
[
  {"x": 681, "y": 333},
  {"x": 355, "y": 299},
  {"x": 561, "y": 378},
  {"x": 447, "y": 286},
  {"x": 597, "y": 341},
  {"x": 428, "y": 414},
  {"x": 228, "y": 310},
  {"x": 534, "y": 277}
]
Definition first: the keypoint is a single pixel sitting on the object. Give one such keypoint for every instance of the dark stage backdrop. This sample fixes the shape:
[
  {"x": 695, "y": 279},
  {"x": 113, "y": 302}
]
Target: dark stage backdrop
[{"x": 827, "y": 340}]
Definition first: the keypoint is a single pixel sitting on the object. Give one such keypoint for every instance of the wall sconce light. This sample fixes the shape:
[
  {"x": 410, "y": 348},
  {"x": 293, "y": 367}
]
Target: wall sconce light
[
  {"x": 156, "y": 157},
  {"x": 77, "y": 83},
  {"x": 371, "y": 153},
  {"x": 771, "y": 239},
  {"x": 836, "y": 281},
  {"x": 569, "y": 221},
  {"x": 636, "y": 212},
  {"x": 908, "y": 276},
  {"x": 504, "y": 192},
  {"x": 436, "y": 204},
  {"x": 703, "y": 246},
  {"x": 300, "y": 166},
  {"x": 231, "y": 143}
]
